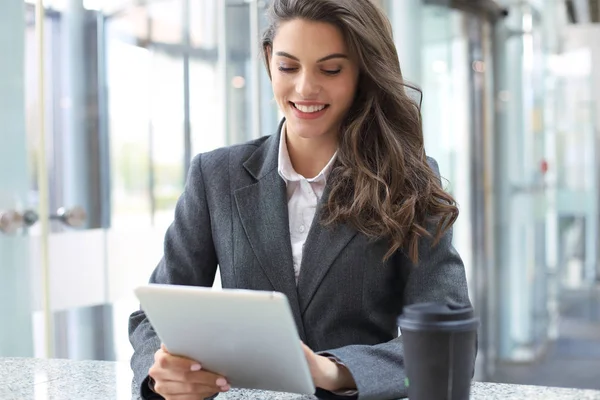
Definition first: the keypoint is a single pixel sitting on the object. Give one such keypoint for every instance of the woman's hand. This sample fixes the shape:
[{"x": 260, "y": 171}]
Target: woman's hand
[
  {"x": 179, "y": 378},
  {"x": 327, "y": 374}
]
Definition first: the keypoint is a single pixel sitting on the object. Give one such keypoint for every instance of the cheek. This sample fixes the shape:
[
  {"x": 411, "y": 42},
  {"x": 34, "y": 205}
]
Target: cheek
[
  {"x": 280, "y": 86},
  {"x": 344, "y": 93}
]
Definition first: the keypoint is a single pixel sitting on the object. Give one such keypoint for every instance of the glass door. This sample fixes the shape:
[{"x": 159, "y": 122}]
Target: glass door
[
  {"x": 15, "y": 298},
  {"x": 131, "y": 93},
  {"x": 447, "y": 53},
  {"x": 52, "y": 254},
  {"x": 576, "y": 202},
  {"x": 522, "y": 195}
]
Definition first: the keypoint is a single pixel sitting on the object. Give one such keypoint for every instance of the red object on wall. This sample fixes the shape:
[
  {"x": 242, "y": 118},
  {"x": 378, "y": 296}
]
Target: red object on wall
[{"x": 544, "y": 166}]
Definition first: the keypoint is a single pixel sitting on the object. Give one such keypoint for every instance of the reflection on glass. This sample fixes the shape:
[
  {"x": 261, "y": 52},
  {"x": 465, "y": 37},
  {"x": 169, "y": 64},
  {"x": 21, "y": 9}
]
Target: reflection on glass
[
  {"x": 54, "y": 111},
  {"x": 130, "y": 25},
  {"x": 445, "y": 84},
  {"x": 167, "y": 144},
  {"x": 575, "y": 124},
  {"x": 165, "y": 21},
  {"x": 203, "y": 24},
  {"x": 206, "y": 114},
  {"x": 128, "y": 79}
]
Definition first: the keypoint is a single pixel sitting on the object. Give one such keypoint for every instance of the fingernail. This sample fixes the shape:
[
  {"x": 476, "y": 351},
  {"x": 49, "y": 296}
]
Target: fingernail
[
  {"x": 225, "y": 388},
  {"x": 196, "y": 367},
  {"x": 221, "y": 382}
]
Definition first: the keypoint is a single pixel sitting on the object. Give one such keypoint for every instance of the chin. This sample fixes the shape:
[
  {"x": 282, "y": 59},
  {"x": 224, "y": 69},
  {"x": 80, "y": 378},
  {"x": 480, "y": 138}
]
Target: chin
[{"x": 306, "y": 131}]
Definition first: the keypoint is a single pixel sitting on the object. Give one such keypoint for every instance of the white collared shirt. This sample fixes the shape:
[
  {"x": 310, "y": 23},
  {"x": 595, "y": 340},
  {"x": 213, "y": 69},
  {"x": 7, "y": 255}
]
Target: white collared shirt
[{"x": 303, "y": 196}]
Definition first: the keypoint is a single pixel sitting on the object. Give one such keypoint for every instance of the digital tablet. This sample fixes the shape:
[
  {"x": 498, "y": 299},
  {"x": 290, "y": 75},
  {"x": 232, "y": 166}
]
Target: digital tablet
[{"x": 249, "y": 337}]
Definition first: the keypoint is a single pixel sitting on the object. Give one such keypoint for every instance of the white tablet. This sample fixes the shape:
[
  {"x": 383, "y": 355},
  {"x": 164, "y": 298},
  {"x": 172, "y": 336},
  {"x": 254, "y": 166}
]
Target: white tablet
[{"x": 249, "y": 337}]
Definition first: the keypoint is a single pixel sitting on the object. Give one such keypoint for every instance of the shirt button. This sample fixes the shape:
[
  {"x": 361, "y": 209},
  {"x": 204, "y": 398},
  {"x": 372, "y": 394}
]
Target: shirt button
[{"x": 301, "y": 229}]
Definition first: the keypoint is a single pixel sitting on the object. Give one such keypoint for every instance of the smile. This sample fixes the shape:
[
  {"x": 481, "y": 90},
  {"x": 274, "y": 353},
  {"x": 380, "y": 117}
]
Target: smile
[{"x": 309, "y": 109}]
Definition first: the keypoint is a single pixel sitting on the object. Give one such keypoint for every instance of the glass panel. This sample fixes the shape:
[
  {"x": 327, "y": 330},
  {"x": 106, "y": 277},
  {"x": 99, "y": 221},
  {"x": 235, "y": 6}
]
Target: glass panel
[
  {"x": 521, "y": 196},
  {"x": 207, "y": 99},
  {"x": 433, "y": 50},
  {"x": 208, "y": 131},
  {"x": 238, "y": 72},
  {"x": 203, "y": 24},
  {"x": 446, "y": 114},
  {"x": 167, "y": 144},
  {"x": 165, "y": 21},
  {"x": 576, "y": 201},
  {"x": 15, "y": 301},
  {"x": 128, "y": 80},
  {"x": 129, "y": 24},
  {"x": 19, "y": 102}
]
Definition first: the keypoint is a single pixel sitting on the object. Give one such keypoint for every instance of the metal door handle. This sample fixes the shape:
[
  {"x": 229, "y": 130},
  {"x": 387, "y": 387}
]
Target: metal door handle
[
  {"x": 11, "y": 221},
  {"x": 74, "y": 217}
]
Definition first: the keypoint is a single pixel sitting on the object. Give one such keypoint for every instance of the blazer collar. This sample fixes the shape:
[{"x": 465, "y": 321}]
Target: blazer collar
[
  {"x": 263, "y": 210},
  {"x": 265, "y": 159}
]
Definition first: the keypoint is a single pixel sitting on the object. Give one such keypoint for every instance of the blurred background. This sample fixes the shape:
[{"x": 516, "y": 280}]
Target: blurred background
[{"x": 103, "y": 103}]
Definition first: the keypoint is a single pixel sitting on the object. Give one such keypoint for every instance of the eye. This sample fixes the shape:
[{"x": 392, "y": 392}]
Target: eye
[
  {"x": 287, "y": 70},
  {"x": 332, "y": 71}
]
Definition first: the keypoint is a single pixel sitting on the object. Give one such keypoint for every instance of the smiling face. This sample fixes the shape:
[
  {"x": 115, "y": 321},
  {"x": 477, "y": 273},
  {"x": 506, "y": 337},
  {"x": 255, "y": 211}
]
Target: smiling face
[{"x": 314, "y": 78}]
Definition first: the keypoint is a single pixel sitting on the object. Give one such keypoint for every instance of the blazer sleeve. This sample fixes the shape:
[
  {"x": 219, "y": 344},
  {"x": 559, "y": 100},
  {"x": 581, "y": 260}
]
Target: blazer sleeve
[
  {"x": 378, "y": 370},
  {"x": 189, "y": 259}
]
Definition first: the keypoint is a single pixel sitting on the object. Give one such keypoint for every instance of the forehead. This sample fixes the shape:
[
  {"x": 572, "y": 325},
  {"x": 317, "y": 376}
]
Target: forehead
[{"x": 309, "y": 38}]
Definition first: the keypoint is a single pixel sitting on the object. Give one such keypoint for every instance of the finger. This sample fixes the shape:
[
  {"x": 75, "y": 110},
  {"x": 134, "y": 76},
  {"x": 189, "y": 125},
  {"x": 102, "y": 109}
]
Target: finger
[
  {"x": 209, "y": 379},
  {"x": 164, "y": 350},
  {"x": 188, "y": 397},
  {"x": 164, "y": 360},
  {"x": 308, "y": 353},
  {"x": 305, "y": 347},
  {"x": 173, "y": 388},
  {"x": 201, "y": 396},
  {"x": 205, "y": 378}
]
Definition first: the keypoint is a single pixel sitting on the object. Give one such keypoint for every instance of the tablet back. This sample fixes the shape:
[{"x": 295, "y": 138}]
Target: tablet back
[{"x": 247, "y": 336}]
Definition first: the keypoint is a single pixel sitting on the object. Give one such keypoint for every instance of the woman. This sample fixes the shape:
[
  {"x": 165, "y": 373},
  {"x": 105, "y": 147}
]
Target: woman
[{"x": 349, "y": 154}]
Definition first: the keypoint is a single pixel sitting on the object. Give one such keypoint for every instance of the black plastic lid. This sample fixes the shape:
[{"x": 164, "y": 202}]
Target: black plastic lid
[
  {"x": 436, "y": 312},
  {"x": 438, "y": 316}
]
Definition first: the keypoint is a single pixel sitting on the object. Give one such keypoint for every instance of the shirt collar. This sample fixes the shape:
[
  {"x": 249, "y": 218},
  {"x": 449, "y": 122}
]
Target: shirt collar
[{"x": 286, "y": 170}]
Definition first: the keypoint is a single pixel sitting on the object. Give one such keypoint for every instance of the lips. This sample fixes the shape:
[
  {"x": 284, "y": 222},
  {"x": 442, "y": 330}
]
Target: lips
[{"x": 309, "y": 108}]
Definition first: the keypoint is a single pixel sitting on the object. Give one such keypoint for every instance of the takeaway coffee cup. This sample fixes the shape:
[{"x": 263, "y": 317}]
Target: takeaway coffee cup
[{"x": 439, "y": 351}]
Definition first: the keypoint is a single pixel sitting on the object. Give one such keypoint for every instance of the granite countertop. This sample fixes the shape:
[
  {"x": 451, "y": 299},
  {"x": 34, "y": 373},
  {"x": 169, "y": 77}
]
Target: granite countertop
[{"x": 41, "y": 379}]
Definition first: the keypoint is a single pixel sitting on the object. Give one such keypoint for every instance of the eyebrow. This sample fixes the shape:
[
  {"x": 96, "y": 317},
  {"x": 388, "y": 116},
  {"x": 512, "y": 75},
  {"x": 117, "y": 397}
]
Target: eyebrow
[{"x": 326, "y": 58}]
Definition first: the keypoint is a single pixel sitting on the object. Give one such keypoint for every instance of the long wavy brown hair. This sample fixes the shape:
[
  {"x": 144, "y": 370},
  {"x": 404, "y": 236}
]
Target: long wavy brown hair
[{"x": 382, "y": 183}]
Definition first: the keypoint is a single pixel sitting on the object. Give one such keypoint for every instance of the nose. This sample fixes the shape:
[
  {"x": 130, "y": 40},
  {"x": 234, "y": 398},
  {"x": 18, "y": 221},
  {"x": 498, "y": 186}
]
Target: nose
[{"x": 307, "y": 85}]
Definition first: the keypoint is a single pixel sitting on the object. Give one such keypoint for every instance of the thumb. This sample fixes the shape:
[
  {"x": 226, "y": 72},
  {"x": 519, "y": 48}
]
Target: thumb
[
  {"x": 163, "y": 348},
  {"x": 307, "y": 351}
]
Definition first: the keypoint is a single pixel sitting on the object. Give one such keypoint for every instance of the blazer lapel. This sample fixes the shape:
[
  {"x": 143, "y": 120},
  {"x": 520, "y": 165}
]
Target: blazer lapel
[
  {"x": 322, "y": 247},
  {"x": 263, "y": 211}
]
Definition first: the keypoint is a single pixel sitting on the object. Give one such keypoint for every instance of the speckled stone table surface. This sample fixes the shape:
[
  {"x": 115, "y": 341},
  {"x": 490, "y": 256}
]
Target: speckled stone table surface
[{"x": 40, "y": 379}]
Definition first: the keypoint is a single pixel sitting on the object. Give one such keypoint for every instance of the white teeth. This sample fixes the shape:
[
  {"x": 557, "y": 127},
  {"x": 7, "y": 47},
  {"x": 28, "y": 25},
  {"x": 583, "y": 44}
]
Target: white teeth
[{"x": 309, "y": 109}]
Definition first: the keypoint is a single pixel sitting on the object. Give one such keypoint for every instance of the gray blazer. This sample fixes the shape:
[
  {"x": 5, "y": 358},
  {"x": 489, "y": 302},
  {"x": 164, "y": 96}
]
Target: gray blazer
[{"x": 233, "y": 214}]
